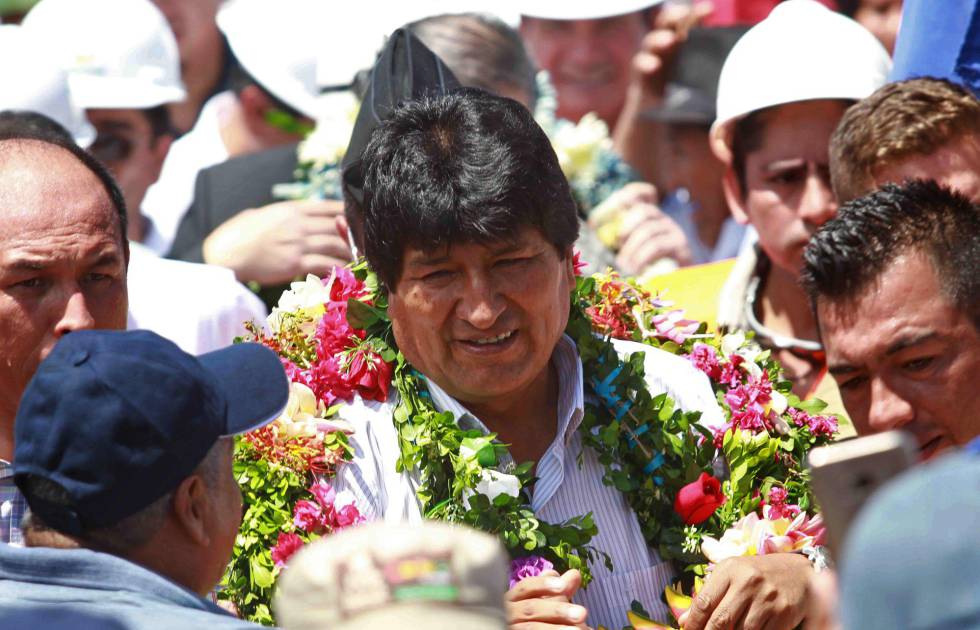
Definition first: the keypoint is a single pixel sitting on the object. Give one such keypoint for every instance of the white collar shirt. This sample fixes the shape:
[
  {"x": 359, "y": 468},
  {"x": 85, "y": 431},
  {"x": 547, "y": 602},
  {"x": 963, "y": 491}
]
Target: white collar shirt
[
  {"x": 199, "y": 307},
  {"x": 565, "y": 487}
]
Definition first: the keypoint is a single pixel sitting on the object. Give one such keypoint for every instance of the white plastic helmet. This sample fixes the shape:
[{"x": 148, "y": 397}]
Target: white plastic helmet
[
  {"x": 803, "y": 51},
  {"x": 565, "y": 10},
  {"x": 277, "y": 44},
  {"x": 37, "y": 83},
  {"x": 120, "y": 54}
]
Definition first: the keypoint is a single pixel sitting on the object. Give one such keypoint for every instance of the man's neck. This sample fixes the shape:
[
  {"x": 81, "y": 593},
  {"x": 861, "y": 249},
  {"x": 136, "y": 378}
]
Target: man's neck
[
  {"x": 527, "y": 420},
  {"x": 783, "y": 306}
]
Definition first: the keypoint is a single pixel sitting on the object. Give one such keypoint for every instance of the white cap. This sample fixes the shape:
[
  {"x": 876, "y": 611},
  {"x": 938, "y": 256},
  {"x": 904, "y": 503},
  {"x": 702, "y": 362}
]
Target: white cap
[
  {"x": 803, "y": 51},
  {"x": 120, "y": 54},
  {"x": 581, "y": 10},
  {"x": 277, "y": 43},
  {"x": 36, "y": 83}
]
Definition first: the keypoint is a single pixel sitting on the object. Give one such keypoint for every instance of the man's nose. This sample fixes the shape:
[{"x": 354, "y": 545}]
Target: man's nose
[
  {"x": 818, "y": 204},
  {"x": 888, "y": 409},
  {"x": 75, "y": 314},
  {"x": 480, "y": 303}
]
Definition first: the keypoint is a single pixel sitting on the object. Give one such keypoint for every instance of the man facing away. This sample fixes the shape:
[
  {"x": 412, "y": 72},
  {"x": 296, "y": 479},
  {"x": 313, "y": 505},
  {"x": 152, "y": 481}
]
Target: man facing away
[
  {"x": 478, "y": 273},
  {"x": 123, "y": 452},
  {"x": 895, "y": 284}
]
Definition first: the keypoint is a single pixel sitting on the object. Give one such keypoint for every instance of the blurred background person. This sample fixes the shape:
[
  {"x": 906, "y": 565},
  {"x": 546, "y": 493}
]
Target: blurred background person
[
  {"x": 205, "y": 58},
  {"x": 272, "y": 101},
  {"x": 881, "y": 17},
  {"x": 429, "y": 575},
  {"x": 124, "y": 85},
  {"x": 940, "y": 44},
  {"x": 914, "y": 129}
]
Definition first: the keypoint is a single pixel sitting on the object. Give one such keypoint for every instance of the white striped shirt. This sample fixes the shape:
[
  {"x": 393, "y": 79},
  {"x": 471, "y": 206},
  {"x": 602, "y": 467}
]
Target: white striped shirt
[{"x": 564, "y": 489}]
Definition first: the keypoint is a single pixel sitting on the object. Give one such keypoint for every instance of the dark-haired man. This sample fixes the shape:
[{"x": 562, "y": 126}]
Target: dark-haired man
[
  {"x": 124, "y": 455},
  {"x": 895, "y": 284},
  {"x": 476, "y": 258}
]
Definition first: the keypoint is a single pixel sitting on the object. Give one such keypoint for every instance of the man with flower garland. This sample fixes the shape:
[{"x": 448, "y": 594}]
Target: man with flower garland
[{"x": 469, "y": 224}]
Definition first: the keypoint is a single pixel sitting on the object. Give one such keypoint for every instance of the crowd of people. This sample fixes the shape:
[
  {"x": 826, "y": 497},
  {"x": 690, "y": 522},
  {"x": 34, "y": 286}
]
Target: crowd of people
[{"x": 806, "y": 172}]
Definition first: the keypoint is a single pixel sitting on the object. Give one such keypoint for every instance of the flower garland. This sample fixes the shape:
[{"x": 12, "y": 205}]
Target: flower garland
[{"x": 335, "y": 339}]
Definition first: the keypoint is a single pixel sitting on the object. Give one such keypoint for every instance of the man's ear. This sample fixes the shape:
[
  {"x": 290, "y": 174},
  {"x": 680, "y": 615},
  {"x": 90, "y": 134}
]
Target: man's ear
[
  {"x": 192, "y": 506},
  {"x": 254, "y": 104},
  {"x": 734, "y": 196}
]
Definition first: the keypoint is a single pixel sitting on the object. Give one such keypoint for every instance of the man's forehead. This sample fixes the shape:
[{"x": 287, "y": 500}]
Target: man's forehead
[{"x": 420, "y": 255}]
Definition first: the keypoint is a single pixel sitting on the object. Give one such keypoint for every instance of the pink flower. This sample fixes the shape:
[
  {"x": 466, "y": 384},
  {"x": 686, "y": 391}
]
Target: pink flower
[
  {"x": 730, "y": 374},
  {"x": 368, "y": 374},
  {"x": 528, "y": 566},
  {"x": 824, "y": 426},
  {"x": 324, "y": 493},
  {"x": 286, "y": 546},
  {"x": 307, "y": 516},
  {"x": 577, "y": 264},
  {"x": 346, "y": 286},
  {"x": 333, "y": 333},
  {"x": 748, "y": 403},
  {"x": 705, "y": 359},
  {"x": 349, "y": 515},
  {"x": 673, "y": 326}
]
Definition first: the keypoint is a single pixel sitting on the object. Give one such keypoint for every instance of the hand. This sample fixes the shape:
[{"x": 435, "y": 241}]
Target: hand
[
  {"x": 279, "y": 242},
  {"x": 544, "y": 601},
  {"x": 752, "y": 593},
  {"x": 645, "y": 233},
  {"x": 823, "y": 598}
]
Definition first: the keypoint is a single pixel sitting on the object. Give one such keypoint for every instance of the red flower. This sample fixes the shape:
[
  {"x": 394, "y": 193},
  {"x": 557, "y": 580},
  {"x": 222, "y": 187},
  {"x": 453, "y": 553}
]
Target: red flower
[
  {"x": 345, "y": 286},
  {"x": 286, "y": 546},
  {"x": 578, "y": 264},
  {"x": 698, "y": 500},
  {"x": 369, "y": 375}
]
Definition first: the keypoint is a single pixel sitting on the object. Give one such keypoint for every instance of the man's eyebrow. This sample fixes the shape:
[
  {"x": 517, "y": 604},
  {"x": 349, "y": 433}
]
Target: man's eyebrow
[
  {"x": 427, "y": 259},
  {"x": 841, "y": 369},
  {"x": 116, "y": 125},
  {"x": 782, "y": 165},
  {"x": 26, "y": 264},
  {"x": 910, "y": 341}
]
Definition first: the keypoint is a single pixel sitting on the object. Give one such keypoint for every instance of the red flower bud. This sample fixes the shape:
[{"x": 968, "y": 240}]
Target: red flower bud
[{"x": 698, "y": 500}]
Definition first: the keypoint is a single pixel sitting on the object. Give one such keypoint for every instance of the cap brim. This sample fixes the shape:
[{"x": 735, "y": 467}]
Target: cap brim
[
  {"x": 253, "y": 381},
  {"x": 94, "y": 92}
]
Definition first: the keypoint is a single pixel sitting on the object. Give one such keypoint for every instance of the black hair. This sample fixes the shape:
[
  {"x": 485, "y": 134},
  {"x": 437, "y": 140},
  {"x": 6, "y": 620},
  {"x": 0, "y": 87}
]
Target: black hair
[
  {"x": 159, "y": 119},
  {"x": 850, "y": 251},
  {"x": 464, "y": 167},
  {"x": 26, "y": 125}
]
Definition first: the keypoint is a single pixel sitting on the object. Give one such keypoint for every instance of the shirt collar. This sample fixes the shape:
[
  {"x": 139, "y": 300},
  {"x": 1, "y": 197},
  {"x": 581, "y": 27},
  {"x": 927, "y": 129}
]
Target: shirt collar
[
  {"x": 6, "y": 469},
  {"x": 571, "y": 397}
]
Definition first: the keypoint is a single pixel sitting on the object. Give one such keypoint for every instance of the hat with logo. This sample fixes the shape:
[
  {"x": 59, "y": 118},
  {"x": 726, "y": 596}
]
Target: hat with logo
[
  {"x": 119, "y": 54},
  {"x": 558, "y": 10},
  {"x": 380, "y": 576},
  {"x": 41, "y": 84},
  {"x": 119, "y": 418},
  {"x": 278, "y": 45},
  {"x": 803, "y": 51},
  {"x": 405, "y": 70}
]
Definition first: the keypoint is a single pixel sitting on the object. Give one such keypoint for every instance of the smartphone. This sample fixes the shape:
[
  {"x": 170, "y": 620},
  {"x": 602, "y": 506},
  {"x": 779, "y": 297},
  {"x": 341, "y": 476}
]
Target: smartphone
[{"x": 845, "y": 474}]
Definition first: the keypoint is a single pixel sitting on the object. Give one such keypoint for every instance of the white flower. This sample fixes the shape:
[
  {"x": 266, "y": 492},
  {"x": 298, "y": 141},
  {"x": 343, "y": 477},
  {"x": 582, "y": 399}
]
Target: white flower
[
  {"x": 778, "y": 402},
  {"x": 303, "y": 298},
  {"x": 577, "y": 146},
  {"x": 300, "y": 416},
  {"x": 731, "y": 342},
  {"x": 494, "y": 483},
  {"x": 328, "y": 142}
]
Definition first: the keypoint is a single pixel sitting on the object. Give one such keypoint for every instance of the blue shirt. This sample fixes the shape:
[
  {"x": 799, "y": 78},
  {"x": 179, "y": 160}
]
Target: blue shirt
[
  {"x": 93, "y": 583},
  {"x": 12, "y": 506}
]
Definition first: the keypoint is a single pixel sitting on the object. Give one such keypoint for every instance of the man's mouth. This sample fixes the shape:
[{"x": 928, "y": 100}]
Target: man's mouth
[
  {"x": 490, "y": 340},
  {"x": 929, "y": 448}
]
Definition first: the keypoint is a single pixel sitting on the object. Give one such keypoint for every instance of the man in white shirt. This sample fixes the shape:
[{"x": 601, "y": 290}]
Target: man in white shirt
[
  {"x": 469, "y": 223},
  {"x": 124, "y": 81}
]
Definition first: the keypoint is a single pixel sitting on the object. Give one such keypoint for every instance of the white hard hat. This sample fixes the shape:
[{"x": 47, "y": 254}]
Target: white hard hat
[
  {"x": 37, "y": 83},
  {"x": 277, "y": 43},
  {"x": 801, "y": 52},
  {"x": 566, "y": 10},
  {"x": 120, "y": 54}
]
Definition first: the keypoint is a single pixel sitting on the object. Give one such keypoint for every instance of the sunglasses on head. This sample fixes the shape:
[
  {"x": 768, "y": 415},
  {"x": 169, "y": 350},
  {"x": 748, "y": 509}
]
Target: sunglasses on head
[{"x": 288, "y": 123}]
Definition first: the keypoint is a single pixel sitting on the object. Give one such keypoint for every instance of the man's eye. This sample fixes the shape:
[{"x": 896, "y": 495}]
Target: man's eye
[
  {"x": 917, "y": 365},
  {"x": 97, "y": 277},
  {"x": 510, "y": 262},
  {"x": 787, "y": 177},
  {"x": 30, "y": 283},
  {"x": 852, "y": 384},
  {"x": 435, "y": 276}
]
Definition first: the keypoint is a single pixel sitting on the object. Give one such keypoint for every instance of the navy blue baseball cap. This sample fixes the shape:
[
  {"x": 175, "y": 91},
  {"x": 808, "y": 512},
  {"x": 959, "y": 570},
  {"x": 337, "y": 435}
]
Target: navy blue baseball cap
[{"x": 119, "y": 419}]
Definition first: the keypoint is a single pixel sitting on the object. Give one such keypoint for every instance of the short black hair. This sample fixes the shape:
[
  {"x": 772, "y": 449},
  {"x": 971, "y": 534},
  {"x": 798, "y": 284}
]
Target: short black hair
[
  {"x": 464, "y": 167},
  {"x": 850, "y": 251},
  {"x": 27, "y": 125},
  {"x": 239, "y": 78},
  {"x": 160, "y": 122}
]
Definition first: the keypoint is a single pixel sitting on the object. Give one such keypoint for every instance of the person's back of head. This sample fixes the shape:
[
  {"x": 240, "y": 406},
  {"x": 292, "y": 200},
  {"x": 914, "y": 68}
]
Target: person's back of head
[
  {"x": 147, "y": 475},
  {"x": 482, "y": 51},
  {"x": 480, "y": 169},
  {"x": 901, "y": 121}
]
